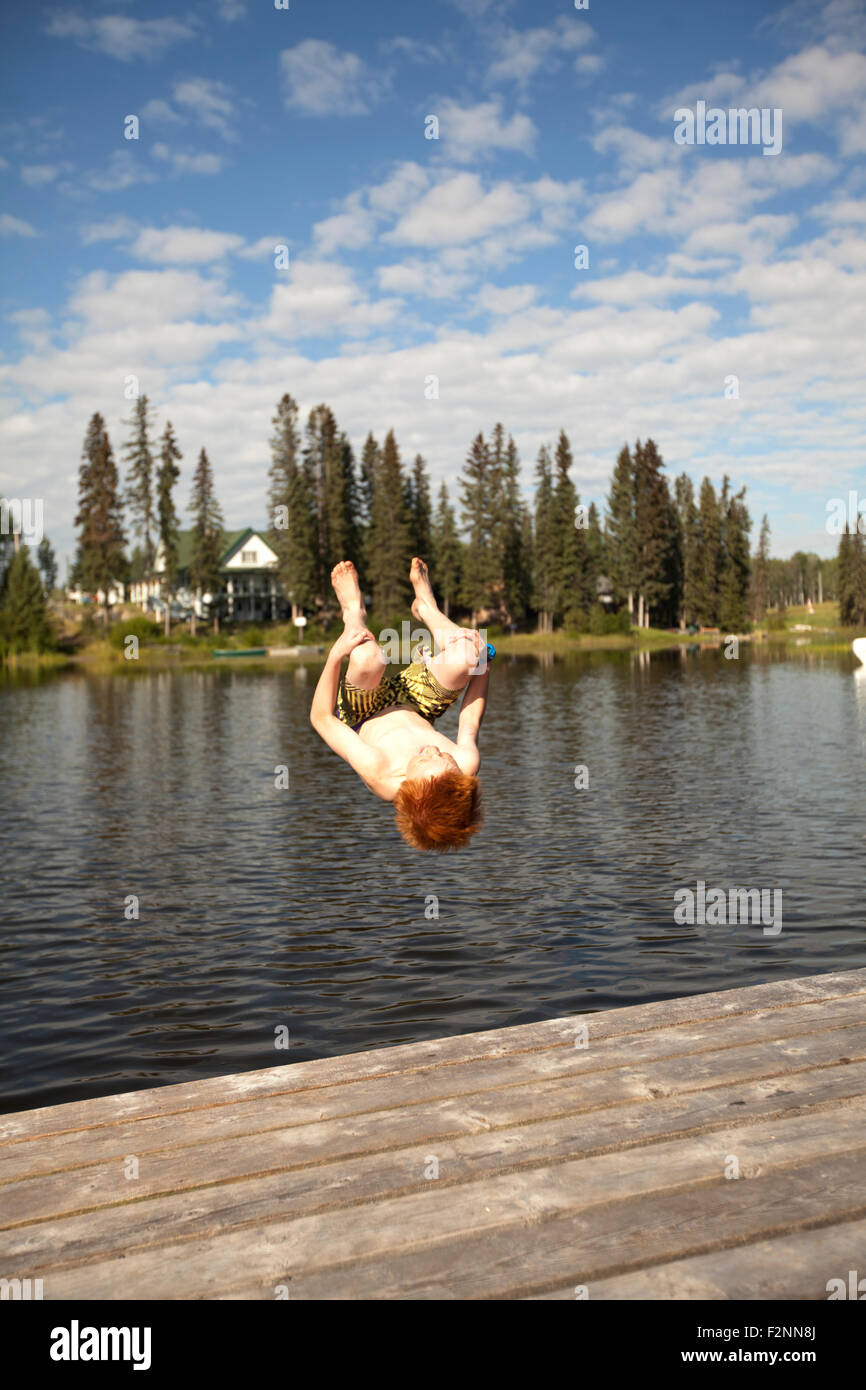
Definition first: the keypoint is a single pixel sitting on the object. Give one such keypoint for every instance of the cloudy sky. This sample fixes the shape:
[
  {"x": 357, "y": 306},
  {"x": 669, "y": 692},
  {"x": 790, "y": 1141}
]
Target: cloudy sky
[{"x": 411, "y": 257}]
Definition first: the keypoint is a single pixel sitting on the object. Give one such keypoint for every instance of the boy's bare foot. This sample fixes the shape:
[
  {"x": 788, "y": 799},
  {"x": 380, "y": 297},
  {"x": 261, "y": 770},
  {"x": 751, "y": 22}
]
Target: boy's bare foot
[
  {"x": 424, "y": 599},
  {"x": 344, "y": 578}
]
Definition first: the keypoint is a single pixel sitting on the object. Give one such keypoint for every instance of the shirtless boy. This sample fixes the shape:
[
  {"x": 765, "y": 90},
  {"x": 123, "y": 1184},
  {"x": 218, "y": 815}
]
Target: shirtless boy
[{"x": 384, "y": 726}]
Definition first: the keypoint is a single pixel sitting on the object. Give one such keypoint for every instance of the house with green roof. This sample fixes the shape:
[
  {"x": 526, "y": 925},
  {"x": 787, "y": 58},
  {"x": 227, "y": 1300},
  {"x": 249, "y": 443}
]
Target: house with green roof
[{"x": 249, "y": 590}]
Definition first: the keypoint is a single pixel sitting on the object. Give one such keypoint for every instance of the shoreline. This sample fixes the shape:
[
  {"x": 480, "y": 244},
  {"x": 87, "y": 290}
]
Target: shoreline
[{"x": 101, "y": 659}]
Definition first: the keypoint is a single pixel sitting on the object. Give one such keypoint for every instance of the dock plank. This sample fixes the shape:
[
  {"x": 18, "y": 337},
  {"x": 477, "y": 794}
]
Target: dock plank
[{"x": 558, "y": 1165}]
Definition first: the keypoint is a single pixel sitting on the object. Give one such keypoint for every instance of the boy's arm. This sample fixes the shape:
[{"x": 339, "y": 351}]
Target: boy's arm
[
  {"x": 471, "y": 714},
  {"x": 367, "y": 762}
]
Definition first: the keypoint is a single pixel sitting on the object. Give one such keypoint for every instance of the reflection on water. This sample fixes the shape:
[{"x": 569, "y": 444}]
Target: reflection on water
[{"x": 260, "y": 907}]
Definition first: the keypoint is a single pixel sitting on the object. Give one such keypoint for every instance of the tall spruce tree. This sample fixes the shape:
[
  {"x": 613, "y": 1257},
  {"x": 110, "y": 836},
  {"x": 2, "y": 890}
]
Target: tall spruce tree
[
  {"x": 851, "y": 578},
  {"x": 420, "y": 509},
  {"x": 207, "y": 535},
  {"x": 655, "y": 535},
  {"x": 689, "y": 541},
  {"x": 328, "y": 474},
  {"x": 138, "y": 454},
  {"x": 544, "y": 558},
  {"x": 709, "y": 577},
  {"x": 167, "y": 474},
  {"x": 447, "y": 553},
  {"x": 371, "y": 458},
  {"x": 390, "y": 541},
  {"x": 23, "y": 622},
  {"x": 478, "y": 490},
  {"x": 596, "y": 558},
  {"x": 292, "y": 528},
  {"x": 760, "y": 600},
  {"x": 101, "y": 541},
  {"x": 571, "y": 588},
  {"x": 511, "y": 546},
  {"x": 47, "y": 562},
  {"x": 737, "y": 568},
  {"x": 620, "y": 529}
]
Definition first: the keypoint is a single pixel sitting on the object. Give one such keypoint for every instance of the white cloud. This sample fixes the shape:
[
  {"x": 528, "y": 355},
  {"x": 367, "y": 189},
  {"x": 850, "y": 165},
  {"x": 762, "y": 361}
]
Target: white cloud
[
  {"x": 36, "y": 175},
  {"x": 125, "y": 168},
  {"x": 184, "y": 245},
  {"x": 210, "y": 101},
  {"x": 318, "y": 298},
  {"x": 637, "y": 286},
  {"x": 160, "y": 111},
  {"x": 458, "y": 210},
  {"x": 183, "y": 163},
  {"x": 354, "y": 226},
  {"x": 320, "y": 79},
  {"x": 119, "y": 36},
  {"x": 115, "y": 229},
  {"x": 842, "y": 210},
  {"x": 511, "y": 299},
  {"x": 15, "y": 226},
  {"x": 522, "y": 53},
  {"x": 264, "y": 249},
  {"x": 469, "y": 132},
  {"x": 231, "y": 10}
]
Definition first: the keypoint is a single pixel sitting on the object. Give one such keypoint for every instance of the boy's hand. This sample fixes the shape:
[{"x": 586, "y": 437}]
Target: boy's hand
[{"x": 348, "y": 641}]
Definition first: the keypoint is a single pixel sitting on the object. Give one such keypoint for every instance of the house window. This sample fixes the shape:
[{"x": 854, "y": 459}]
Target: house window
[{"x": 248, "y": 557}]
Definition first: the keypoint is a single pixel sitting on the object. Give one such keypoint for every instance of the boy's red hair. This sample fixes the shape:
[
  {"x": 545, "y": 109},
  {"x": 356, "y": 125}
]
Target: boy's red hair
[{"x": 439, "y": 812}]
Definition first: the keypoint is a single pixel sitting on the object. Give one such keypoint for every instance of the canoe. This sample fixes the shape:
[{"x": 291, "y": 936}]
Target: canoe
[{"x": 241, "y": 651}]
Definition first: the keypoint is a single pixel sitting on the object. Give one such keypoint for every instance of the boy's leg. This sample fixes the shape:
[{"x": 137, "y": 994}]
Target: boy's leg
[
  {"x": 366, "y": 662},
  {"x": 458, "y": 647}
]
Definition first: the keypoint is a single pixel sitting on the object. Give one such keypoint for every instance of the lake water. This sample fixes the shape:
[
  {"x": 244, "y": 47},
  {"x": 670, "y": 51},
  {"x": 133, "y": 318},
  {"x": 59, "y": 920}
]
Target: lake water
[{"x": 263, "y": 908}]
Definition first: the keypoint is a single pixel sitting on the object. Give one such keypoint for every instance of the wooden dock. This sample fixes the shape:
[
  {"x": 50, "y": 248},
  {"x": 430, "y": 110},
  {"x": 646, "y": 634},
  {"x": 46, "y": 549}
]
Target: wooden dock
[{"x": 561, "y": 1167}]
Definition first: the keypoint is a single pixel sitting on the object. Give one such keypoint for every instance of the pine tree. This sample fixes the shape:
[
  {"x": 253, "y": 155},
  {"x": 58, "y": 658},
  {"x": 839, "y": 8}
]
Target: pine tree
[
  {"x": 510, "y": 540},
  {"x": 47, "y": 562},
  {"x": 689, "y": 545},
  {"x": 371, "y": 458},
  {"x": 99, "y": 517},
  {"x": 844, "y": 579},
  {"x": 544, "y": 551},
  {"x": 858, "y": 568},
  {"x": 166, "y": 515},
  {"x": 620, "y": 529},
  {"x": 851, "y": 578},
  {"x": 709, "y": 575},
  {"x": 736, "y": 569},
  {"x": 596, "y": 557},
  {"x": 447, "y": 553},
  {"x": 139, "y": 478},
  {"x": 325, "y": 474},
  {"x": 390, "y": 543},
  {"x": 23, "y": 624},
  {"x": 477, "y": 503},
  {"x": 292, "y": 530},
  {"x": 571, "y": 589},
  {"x": 761, "y": 574},
  {"x": 655, "y": 535},
  {"x": 207, "y": 534},
  {"x": 420, "y": 509}
]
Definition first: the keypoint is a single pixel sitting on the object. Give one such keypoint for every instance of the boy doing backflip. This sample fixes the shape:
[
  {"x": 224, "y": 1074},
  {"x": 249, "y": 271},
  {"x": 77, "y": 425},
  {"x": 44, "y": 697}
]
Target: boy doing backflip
[{"x": 384, "y": 724}]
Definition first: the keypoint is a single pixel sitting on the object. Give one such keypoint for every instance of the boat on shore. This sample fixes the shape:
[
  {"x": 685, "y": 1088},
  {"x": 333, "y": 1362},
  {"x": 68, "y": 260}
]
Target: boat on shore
[{"x": 239, "y": 651}]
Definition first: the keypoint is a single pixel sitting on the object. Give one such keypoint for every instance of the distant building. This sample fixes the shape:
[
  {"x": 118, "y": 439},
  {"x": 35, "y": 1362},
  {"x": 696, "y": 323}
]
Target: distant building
[
  {"x": 604, "y": 591},
  {"x": 249, "y": 590}
]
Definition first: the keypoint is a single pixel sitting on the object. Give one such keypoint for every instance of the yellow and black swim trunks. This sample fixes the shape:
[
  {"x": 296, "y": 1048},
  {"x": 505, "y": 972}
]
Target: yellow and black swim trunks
[{"x": 414, "y": 686}]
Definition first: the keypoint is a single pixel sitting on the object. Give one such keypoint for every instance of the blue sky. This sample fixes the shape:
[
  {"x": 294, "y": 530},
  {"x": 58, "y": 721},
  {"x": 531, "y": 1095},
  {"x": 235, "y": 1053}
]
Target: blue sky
[{"x": 452, "y": 257}]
